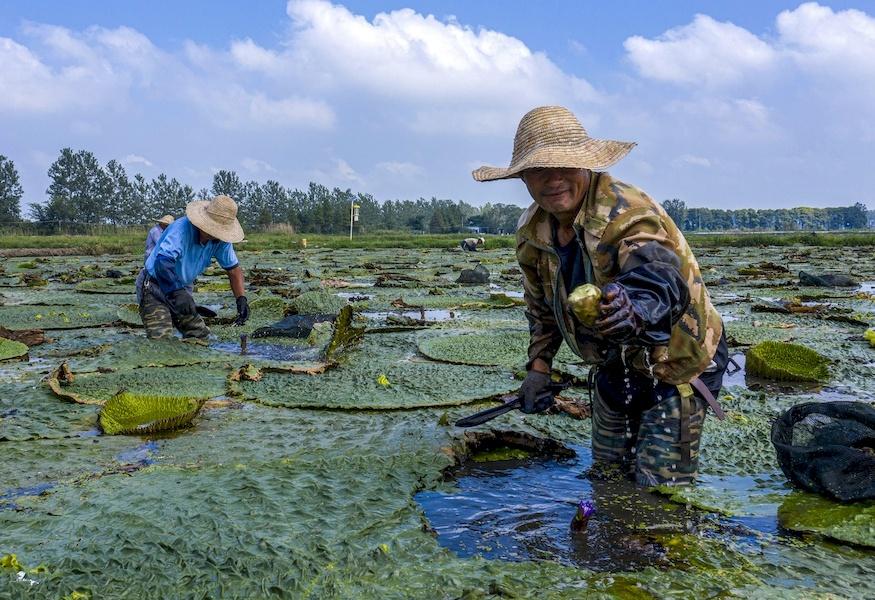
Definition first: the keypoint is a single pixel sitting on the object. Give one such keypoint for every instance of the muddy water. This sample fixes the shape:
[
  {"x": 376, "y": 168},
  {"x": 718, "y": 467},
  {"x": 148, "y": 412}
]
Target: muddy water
[{"x": 521, "y": 510}]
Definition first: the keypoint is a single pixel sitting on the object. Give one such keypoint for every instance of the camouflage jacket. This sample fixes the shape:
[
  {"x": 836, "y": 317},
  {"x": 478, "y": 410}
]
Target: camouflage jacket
[{"x": 620, "y": 228}]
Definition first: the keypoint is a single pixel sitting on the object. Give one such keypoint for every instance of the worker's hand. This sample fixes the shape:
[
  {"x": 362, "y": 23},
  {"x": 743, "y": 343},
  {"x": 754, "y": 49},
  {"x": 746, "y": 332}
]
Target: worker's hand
[
  {"x": 181, "y": 303},
  {"x": 242, "y": 310},
  {"x": 534, "y": 385},
  {"x": 618, "y": 321}
]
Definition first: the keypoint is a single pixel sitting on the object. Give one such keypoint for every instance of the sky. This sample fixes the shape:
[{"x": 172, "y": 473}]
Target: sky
[{"x": 764, "y": 104}]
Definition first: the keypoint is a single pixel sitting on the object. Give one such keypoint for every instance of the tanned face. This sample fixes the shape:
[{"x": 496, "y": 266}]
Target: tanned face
[{"x": 558, "y": 191}]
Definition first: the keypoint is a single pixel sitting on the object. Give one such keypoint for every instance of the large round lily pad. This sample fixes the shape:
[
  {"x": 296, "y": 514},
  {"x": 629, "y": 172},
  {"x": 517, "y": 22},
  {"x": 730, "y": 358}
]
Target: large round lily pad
[
  {"x": 853, "y": 523},
  {"x": 500, "y": 348},
  {"x": 131, "y": 413},
  {"x": 786, "y": 362},
  {"x": 11, "y": 349}
]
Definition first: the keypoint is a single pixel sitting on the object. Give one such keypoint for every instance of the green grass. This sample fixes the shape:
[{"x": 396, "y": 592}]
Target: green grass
[{"x": 131, "y": 242}]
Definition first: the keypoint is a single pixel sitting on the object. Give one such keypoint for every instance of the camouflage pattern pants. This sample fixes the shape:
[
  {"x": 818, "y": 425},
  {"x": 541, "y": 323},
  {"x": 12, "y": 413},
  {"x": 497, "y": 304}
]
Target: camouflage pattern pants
[
  {"x": 651, "y": 445},
  {"x": 160, "y": 321}
]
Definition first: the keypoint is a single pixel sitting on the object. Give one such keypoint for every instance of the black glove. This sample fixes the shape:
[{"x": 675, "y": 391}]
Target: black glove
[
  {"x": 181, "y": 303},
  {"x": 242, "y": 310},
  {"x": 534, "y": 388},
  {"x": 618, "y": 321}
]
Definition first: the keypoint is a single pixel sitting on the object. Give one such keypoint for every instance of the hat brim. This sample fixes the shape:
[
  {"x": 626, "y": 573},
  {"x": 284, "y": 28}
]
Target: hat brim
[
  {"x": 196, "y": 212},
  {"x": 592, "y": 154}
]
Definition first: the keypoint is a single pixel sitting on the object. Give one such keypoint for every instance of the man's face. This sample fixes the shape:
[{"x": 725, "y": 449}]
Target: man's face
[{"x": 558, "y": 191}]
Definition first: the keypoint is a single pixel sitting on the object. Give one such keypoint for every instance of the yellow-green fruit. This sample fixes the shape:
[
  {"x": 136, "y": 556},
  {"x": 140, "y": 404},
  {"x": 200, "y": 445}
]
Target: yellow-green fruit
[{"x": 584, "y": 301}]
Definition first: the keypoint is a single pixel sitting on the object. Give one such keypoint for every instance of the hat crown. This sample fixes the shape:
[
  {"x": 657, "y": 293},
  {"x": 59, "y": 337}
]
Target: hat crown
[
  {"x": 547, "y": 126},
  {"x": 222, "y": 209}
]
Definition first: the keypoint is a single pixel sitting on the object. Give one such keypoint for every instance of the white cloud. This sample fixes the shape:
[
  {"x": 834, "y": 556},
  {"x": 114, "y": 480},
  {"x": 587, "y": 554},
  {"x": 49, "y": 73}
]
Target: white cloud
[
  {"x": 346, "y": 173},
  {"x": 253, "y": 165},
  {"x": 136, "y": 159},
  {"x": 232, "y": 106},
  {"x": 403, "y": 169},
  {"x": 691, "y": 159},
  {"x": 705, "y": 52},
  {"x": 436, "y": 68},
  {"x": 817, "y": 37}
]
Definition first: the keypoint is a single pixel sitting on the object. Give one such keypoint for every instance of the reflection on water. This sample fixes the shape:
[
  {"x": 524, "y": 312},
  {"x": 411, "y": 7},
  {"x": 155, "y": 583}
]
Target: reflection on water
[{"x": 522, "y": 510}]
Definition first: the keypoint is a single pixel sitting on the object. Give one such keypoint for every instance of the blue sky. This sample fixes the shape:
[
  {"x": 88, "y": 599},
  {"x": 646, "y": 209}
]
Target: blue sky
[{"x": 733, "y": 104}]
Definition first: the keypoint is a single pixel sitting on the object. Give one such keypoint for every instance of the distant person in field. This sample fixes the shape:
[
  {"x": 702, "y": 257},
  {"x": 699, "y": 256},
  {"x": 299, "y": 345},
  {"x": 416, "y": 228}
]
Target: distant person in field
[
  {"x": 184, "y": 251},
  {"x": 657, "y": 343},
  {"x": 151, "y": 240},
  {"x": 155, "y": 234},
  {"x": 472, "y": 244}
]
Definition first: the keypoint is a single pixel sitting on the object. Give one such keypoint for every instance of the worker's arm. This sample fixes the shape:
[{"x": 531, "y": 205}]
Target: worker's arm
[
  {"x": 235, "y": 276},
  {"x": 648, "y": 293}
]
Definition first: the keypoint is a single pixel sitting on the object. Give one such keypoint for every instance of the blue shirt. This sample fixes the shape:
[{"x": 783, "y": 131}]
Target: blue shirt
[
  {"x": 152, "y": 240},
  {"x": 180, "y": 245}
]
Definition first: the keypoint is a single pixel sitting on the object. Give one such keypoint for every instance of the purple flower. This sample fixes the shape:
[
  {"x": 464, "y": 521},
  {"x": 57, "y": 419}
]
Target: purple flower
[{"x": 585, "y": 510}]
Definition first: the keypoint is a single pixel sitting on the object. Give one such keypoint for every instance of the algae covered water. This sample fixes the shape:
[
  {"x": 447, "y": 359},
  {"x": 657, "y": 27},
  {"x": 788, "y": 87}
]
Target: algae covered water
[{"x": 313, "y": 477}]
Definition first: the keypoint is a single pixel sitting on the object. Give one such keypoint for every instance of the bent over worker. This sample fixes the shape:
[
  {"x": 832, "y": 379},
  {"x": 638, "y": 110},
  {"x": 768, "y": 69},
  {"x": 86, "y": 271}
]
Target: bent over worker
[
  {"x": 471, "y": 244},
  {"x": 185, "y": 250},
  {"x": 657, "y": 345}
]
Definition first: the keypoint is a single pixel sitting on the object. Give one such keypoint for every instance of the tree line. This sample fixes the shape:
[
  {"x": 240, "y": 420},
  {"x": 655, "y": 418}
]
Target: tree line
[
  {"x": 767, "y": 219},
  {"x": 84, "y": 193}
]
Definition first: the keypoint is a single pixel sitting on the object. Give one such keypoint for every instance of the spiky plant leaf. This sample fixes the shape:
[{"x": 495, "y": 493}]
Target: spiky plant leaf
[
  {"x": 786, "y": 362},
  {"x": 132, "y": 413}
]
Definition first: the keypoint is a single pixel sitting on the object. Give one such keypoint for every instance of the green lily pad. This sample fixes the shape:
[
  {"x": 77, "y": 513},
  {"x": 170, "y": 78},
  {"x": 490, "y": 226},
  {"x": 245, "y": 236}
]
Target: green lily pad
[
  {"x": 870, "y": 337},
  {"x": 131, "y": 413},
  {"x": 318, "y": 302},
  {"x": 786, "y": 362},
  {"x": 11, "y": 349},
  {"x": 853, "y": 523},
  {"x": 130, "y": 314}
]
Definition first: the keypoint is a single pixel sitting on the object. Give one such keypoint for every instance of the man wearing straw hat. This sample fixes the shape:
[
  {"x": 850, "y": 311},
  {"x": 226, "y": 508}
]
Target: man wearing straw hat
[
  {"x": 185, "y": 250},
  {"x": 151, "y": 241},
  {"x": 657, "y": 345}
]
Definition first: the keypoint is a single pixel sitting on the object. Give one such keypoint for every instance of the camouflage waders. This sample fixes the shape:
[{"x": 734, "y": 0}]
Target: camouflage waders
[
  {"x": 160, "y": 321},
  {"x": 659, "y": 445}
]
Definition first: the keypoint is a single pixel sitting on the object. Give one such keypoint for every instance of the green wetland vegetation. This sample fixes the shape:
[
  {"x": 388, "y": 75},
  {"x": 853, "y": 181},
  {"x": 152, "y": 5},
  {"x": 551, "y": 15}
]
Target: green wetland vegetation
[
  {"x": 328, "y": 466},
  {"x": 130, "y": 241}
]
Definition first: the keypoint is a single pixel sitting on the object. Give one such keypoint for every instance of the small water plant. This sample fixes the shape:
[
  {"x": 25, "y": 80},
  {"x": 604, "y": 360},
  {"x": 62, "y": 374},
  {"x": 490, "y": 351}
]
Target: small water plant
[
  {"x": 133, "y": 413},
  {"x": 10, "y": 349},
  {"x": 808, "y": 513},
  {"x": 870, "y": 337},
  {"x": 786, "y": 362}
]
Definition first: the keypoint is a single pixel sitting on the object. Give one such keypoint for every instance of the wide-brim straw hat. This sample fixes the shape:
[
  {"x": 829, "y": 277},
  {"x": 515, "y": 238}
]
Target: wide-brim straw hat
[
  {"x": 551, "y": 136},
  {"x": 216, "y": 217},
  {"x": 166, "y": 220}
]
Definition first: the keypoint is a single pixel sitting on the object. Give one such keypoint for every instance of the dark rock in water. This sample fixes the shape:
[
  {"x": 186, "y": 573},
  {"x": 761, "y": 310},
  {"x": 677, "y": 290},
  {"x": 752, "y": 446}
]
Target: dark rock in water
[
  {"x": 296, "y": 326},
  {"x": 827, "y": 280},
  {"x": 114, "y": 274},
  {"x": 478, "y": 274}
]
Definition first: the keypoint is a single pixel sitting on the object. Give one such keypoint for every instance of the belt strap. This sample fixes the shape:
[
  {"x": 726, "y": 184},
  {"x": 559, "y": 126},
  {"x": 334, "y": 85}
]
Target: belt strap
[{"x": 709, "y": 397}]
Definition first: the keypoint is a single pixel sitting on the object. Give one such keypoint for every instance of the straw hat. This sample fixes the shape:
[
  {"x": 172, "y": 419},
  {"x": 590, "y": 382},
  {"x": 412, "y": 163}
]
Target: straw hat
[
  {"x": 165, "y": 220},
  {"x": 551, "y": 136},
  {"x": 216, "y": 217}
]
